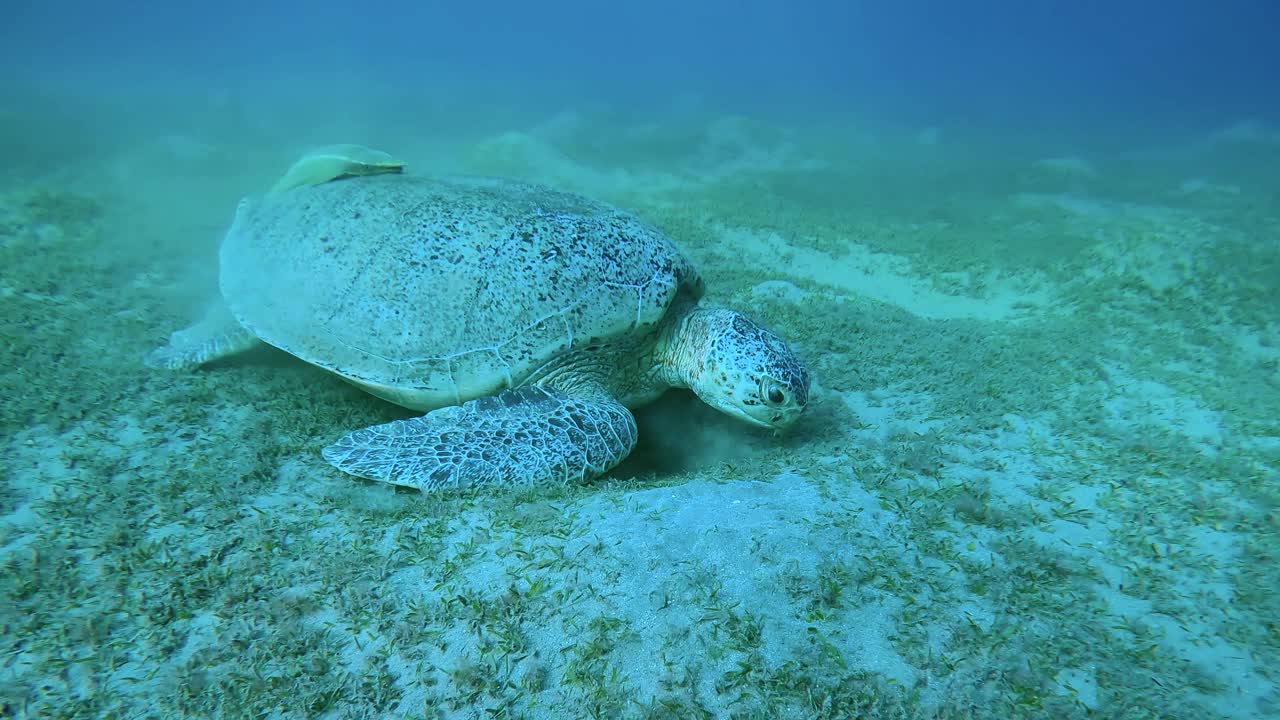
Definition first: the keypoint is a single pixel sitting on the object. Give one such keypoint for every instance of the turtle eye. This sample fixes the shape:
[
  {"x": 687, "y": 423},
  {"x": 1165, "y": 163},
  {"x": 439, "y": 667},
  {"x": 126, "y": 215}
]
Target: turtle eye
[{"x": 774, "y": 394}]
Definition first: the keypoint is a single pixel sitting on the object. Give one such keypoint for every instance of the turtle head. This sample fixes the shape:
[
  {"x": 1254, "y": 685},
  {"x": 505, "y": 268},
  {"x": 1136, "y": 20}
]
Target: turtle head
[{"x": 738, "y": 367}]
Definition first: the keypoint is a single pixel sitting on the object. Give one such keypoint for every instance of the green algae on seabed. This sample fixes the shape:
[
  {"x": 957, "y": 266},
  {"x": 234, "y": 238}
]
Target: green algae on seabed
[{"x": 1016, "y": 517}]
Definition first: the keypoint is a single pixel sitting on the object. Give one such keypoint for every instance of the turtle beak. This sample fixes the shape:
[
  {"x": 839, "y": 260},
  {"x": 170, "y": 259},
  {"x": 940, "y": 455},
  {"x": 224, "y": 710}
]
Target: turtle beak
[
  {"x": 757, "y": 421},
  {"x": 776, "y": 421}
]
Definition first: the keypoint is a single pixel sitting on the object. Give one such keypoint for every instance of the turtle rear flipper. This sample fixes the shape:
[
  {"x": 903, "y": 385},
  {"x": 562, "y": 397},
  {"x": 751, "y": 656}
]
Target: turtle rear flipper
[
  {"x": 528, "y": 436},
  {"x": 217, "y": 335},
  {"x": 334, "y": 162}
]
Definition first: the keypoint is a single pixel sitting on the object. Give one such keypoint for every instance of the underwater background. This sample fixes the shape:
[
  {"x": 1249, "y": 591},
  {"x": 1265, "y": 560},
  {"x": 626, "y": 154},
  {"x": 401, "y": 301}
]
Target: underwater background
[{"x": 1029, "y": 250}]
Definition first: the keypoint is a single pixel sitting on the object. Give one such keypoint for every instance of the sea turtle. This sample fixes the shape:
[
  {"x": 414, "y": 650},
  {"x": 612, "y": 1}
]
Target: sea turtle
[
  {"x": 333, "y": 162},
  {"x": 524, "y": 320}
]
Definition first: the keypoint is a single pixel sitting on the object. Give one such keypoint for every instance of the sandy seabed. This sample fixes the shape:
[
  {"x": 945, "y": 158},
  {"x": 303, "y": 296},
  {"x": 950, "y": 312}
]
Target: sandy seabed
[{"x": 1038, "y": 477}]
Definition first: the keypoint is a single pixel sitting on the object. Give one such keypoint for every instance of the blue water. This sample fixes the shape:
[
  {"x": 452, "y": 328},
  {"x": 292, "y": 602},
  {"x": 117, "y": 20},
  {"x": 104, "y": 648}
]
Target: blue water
[{"x": 987, "y": 61}]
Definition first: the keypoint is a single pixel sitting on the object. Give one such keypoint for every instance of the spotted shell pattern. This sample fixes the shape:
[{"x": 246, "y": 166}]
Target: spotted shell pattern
[{"x": 430, "y": 292}]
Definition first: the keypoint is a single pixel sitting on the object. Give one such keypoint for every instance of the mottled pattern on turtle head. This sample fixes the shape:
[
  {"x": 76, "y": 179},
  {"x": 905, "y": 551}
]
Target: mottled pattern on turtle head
[{"x": 739, "y": 367}]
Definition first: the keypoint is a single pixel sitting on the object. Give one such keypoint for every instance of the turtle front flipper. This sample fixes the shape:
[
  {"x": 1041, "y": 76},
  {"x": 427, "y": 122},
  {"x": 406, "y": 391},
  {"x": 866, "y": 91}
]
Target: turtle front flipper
[
  {"x": 217, "y": 335},
  {"x": 528, "y": 436}
]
